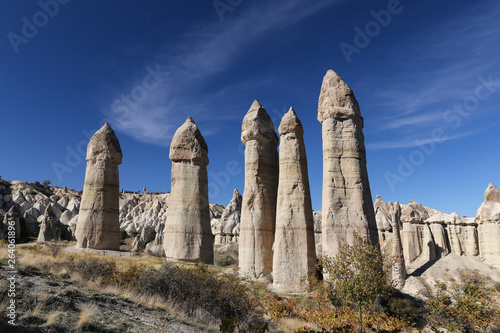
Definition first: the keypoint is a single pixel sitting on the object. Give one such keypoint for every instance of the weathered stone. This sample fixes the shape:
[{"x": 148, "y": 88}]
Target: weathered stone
[
  {"x": 187, "y": 234},
  {"x": 399, "y": 267},
  {"x": 258, "y": 211},
  {"x": 224, "y": 228},
  {"x": 98, "y": 221},
  {"x": 294, "y": 249},
  {"x": 488, "y": 220},
  {"x": 12, "y": 219},
  {"x": 347, "y": 202},
  {"x": 50, "y": 228}
]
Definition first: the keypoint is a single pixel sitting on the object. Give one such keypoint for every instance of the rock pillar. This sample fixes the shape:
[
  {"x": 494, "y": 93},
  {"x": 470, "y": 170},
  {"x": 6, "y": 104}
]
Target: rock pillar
[
  {"x": 98, "y": 224},
  {"x": 488, "y": 226},
  {"x": 347, "y": 202},
  {"x": 399, "y": 267},
  {"x": 258, "y": 211},
  {"x": 187, "y": 235},
  {"x": 294, "y": 249}
]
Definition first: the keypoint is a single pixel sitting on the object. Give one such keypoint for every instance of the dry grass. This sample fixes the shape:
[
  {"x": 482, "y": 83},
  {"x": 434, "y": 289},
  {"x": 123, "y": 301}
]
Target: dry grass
[
  {"x": 40, "y": 303},
  {"x": 290, "y": 324},
  {"x": 53, "y": 318},
  {"x": 86, "y": 315}
]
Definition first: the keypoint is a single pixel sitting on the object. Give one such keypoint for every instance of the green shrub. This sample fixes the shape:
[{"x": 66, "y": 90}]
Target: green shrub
[
  {"x": 465, "y": 305},
  {"x": 226, "y": 261}
]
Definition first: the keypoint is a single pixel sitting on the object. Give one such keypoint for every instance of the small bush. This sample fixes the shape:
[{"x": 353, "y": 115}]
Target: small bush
[
  {"x": 465, "y": 305},
  {"x": 226, "y": 261},
  {"x": 46, "y": 183},
  {"x": 92, "y": 269},
  {"x": 192, "y": 289}
]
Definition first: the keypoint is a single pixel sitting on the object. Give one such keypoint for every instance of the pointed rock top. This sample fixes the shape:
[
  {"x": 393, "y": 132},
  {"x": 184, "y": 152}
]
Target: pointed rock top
[
  {"x": 236, "y": 193},
  {"x": 381, "y": 204},
  {"x": 492, "y": 193},
  {"x": 188, "y": 144},
  {"x": 104, "y": 145},
  {"x": 290, "y": 123},
  {"x": 257, "y": 125},
  {"x": 336, "y": 100}
]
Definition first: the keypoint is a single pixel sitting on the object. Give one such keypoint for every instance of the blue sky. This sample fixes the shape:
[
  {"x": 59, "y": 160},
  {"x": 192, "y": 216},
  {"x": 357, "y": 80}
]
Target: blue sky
[{"x": 426, "y": 75}]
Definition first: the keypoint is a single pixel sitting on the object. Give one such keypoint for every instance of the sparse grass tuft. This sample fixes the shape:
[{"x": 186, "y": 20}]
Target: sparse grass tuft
[
  {"x": 53, "y": 318},
  {"x": 86, "y": 315}
]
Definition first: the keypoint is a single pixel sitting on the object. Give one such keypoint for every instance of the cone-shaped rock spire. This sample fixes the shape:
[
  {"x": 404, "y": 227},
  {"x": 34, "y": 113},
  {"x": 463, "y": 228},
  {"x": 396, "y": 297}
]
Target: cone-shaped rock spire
[
  {"x": 258, "y": 212},
  {"x": 98, "y": 224},
  {"x": 347, "y": 203},
  {"x": 294, "y": 249},
  {"x": 187, "y": 234},
  {"x": 399, "y": 267}
]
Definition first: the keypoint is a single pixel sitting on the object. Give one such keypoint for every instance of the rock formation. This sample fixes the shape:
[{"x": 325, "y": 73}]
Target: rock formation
[
  {"x": 488, "y": 220},
  {"x": 227, "y": 228},
  {"x": 98, "y": 224},
  {"x": 294, "y": 249},
  {"x": 399, "y": 267},
  {"x": 50, "y": 228},
  {"x": 187, "y": 235},
  {"x": 258, "y": 211},
  {"x": 347, "y": 202}
]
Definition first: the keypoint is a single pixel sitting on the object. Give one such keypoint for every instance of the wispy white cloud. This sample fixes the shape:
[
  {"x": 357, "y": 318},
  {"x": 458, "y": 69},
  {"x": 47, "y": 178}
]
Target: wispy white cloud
[
  {"x": 434, "y": 70},
  {"x": 410, "y": 142},
  {"x": 202, "y": 53}
]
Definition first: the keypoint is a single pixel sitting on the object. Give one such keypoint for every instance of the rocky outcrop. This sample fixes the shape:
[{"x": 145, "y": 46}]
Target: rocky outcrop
[
  {"x": 258, "y": 211},
  {"x": 294, "y": 249},
  {"x": 98, "y": 222},
  {"x": 399, "y": 267},
  {"x": 187, "y": 235},
  {"x": 50, "y": 228},
  {"x": 347, "y": 202},
  {"x": 488, "y": 221},
  {"x": 226, "y": 228}
]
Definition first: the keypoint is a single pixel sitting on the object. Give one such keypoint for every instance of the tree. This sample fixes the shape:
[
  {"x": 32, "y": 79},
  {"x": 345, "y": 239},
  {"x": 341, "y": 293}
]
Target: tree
[
  {"x": 465, "y": 305},
  {"x": 356, "y": 275},
  {"x": 46, "y": 182}
]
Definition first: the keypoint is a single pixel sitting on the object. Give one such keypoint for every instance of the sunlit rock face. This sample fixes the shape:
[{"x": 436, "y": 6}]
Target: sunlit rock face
[
  {"x": 347, "y": 203},
  {"x": 98, "y": 225},
  {"x": 258, "y": 211},
  {"x": 187, "y": 235},
  {"x": 294, "y": 249},
  {"x": 488, "y": 221}
]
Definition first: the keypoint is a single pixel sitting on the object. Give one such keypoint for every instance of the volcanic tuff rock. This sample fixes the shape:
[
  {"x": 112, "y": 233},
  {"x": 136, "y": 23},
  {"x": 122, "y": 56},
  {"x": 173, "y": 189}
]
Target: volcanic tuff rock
[
  {"x": 488, "y": 220},
  {"x": 347, "y": 202},
  {"x": 226, "y": 228},
  {"x": 187, "y": 235},
  {"x": 98, "y": 224},
  {"x": 399, "y": 267},
  {"x": 294, "y": 249},
  {"x": 258, "y": 211}
]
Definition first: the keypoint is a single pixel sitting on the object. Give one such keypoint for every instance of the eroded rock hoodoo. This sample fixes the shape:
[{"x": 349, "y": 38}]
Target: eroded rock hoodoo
[
  {"x": 98, "y": 225},
  {"x": 187, "y": 235},
  {"x": 258, "y": 211},
  {"x": 294, "y": 249},
  {"x": 347, "y": 202}
]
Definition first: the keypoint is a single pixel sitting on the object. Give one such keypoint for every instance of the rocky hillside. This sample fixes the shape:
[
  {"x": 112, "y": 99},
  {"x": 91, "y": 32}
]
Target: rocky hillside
[{"x": 45, "y": 212}]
